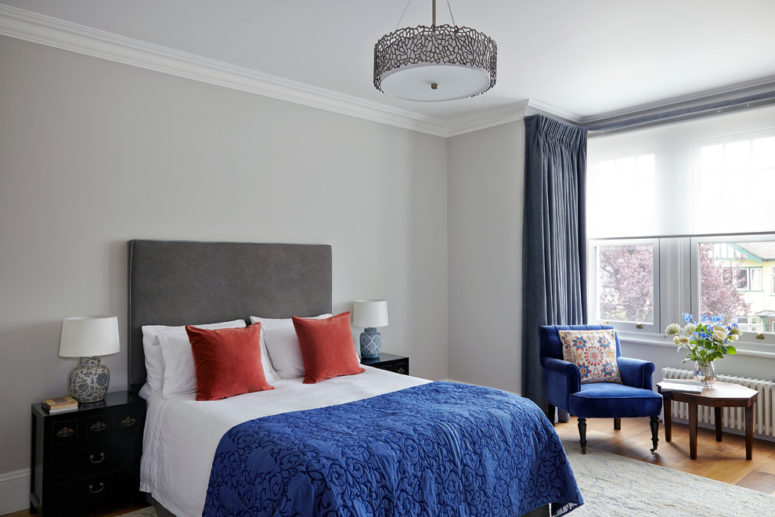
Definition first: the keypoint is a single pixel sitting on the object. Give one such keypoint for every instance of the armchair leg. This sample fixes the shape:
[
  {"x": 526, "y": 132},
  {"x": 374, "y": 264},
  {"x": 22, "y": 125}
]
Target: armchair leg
[
  {"x": 583, "y": 434},
  {"x": 617, "y": 424},
  {"x": 550, "y": 414},
  {"x": 654, "y": 432}
]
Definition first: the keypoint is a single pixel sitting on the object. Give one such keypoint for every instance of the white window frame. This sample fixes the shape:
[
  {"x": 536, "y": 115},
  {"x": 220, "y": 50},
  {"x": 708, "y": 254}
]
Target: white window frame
[
  {"x": 751, "y": 275},
  {"x": 592, "y": 285},
  {"x": 749, "y": 337},
  {"x": 676, "y": 286}
]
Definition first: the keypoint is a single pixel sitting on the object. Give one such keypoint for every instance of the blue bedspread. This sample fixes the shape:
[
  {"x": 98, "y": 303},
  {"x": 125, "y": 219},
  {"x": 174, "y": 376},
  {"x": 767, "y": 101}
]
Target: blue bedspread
[{"x": 436, "y": 449}]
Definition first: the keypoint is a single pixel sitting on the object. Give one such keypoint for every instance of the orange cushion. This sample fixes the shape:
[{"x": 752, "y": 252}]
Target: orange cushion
[
  {"x": 326, "y": 347},
  {"x": 227, "y": 361}
]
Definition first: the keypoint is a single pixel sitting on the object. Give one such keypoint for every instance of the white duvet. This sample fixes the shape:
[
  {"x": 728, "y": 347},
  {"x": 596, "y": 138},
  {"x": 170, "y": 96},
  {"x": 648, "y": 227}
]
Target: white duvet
[{"x": 181, "y": 434}]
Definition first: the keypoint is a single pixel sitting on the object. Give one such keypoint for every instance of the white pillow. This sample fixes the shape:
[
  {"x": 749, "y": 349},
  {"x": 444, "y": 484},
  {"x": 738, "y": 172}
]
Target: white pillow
[
  {"x": 279, "y": 338},
  {"x": 154, "y": 365}
]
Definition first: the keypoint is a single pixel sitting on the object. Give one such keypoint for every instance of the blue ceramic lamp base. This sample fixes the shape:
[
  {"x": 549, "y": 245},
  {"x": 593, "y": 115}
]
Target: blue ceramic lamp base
[{"x": 371, "y": 343}]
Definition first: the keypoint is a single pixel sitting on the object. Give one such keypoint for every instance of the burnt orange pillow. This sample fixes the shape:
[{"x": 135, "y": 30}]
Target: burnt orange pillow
[
  {"x": 326, "y": 347},
  {"x": 227, "y": 361}
]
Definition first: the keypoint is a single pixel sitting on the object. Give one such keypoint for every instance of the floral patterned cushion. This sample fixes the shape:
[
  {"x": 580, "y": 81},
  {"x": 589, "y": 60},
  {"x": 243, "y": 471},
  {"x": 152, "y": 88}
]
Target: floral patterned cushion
[{"x": 594, "y": 352}]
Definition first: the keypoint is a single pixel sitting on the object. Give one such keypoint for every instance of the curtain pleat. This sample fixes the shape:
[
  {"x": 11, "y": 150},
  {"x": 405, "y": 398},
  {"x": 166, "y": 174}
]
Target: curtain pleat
[{"x": 554, "y": 243}]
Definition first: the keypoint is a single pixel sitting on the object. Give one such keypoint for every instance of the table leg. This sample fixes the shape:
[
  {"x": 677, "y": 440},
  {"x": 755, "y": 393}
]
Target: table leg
[
  {"x": 717, "y": 414},
  {"x": 693, "y": 430},
  {"x": 668, "y": 407},
  {"x": 749, "y": 432}
]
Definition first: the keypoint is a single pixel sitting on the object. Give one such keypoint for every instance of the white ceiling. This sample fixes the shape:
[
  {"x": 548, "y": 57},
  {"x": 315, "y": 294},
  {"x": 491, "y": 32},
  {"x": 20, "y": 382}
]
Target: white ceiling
[{"x": 582, "y": 58}]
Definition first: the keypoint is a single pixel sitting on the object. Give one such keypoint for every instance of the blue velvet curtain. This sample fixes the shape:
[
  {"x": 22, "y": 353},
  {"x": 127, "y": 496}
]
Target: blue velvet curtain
[{"x": 554, "y": 243}]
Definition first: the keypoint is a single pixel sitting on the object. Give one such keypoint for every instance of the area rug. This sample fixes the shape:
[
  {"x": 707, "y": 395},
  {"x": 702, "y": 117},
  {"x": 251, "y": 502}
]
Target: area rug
[{"x": 616, "y": 486}]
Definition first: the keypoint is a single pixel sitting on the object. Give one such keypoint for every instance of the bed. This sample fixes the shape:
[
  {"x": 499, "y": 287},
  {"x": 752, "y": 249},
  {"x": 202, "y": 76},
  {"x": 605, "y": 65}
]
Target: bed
[{"x": 207, "y": 457}]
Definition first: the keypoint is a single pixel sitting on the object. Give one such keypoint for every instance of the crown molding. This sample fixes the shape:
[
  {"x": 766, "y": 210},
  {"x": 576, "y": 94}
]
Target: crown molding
[
  {"x": 544, "y": 108},
  {"x": 65, "y": 35},
  {"x": 62, "y": 34},
  {"x": 489, "y": 118}
]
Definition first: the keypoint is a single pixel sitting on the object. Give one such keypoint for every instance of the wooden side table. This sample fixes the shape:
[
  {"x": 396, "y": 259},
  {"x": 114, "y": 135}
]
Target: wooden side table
[{"x": 722, "y": 394}]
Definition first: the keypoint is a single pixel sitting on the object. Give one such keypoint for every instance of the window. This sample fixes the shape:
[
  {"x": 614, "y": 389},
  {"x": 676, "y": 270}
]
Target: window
[
  {"x": 680, "y": 219},
  {"x": 625, "y": 283},
  {"x": 750, "y": 324},
  {"x": 708, "y": 275},
  {"x": 742, "y": 278}
]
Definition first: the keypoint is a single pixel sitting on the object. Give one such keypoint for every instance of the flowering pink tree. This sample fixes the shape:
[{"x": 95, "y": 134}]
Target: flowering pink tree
[
  {"x": 626, "y": 291},
  {"x": 626, "y": 285},
  {"x": 718, "y": 293}
]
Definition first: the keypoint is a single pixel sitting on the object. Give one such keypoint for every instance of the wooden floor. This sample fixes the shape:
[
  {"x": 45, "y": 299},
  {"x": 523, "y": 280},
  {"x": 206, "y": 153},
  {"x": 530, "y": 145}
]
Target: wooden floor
[{"x": 724, "y": 461}]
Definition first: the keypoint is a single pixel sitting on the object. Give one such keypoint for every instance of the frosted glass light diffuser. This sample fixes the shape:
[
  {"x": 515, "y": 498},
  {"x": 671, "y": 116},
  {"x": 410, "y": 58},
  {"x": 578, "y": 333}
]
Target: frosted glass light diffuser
[
  {"x": 435, "y": 82},
  {"x": 89, "y": 336}
]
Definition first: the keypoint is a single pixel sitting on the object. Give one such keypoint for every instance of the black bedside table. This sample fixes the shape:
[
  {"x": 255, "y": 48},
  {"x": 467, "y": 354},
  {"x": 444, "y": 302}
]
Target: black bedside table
[
  {"x": 87, "y": 460},
  {"x": 389, "y": 362}
]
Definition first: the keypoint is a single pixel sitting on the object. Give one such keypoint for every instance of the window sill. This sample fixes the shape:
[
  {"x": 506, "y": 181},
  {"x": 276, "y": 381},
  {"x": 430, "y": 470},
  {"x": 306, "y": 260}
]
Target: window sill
[{"x": 743, "y": 349}]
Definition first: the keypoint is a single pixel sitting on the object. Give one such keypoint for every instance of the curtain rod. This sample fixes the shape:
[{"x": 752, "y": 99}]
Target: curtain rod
[{"x": 647, "y": 119}]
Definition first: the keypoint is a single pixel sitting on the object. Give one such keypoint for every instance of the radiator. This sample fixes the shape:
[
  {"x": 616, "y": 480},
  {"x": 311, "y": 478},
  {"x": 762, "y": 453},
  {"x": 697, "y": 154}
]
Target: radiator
[{"x": 733, "y": 417}]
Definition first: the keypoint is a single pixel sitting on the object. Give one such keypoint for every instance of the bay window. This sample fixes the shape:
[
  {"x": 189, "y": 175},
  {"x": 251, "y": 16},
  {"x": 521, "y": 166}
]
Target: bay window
[{"x": 681, "y": 218}]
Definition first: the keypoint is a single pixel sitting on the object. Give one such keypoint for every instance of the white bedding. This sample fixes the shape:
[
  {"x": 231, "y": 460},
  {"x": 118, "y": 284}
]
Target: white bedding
[{"x": 181, "y": 434}]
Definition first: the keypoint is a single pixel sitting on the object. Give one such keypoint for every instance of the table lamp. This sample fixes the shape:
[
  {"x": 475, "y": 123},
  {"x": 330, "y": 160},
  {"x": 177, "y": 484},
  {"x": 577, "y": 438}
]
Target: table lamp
[
  {"x": 370, "y": 314},
  {"x": 88, "y": 337}
]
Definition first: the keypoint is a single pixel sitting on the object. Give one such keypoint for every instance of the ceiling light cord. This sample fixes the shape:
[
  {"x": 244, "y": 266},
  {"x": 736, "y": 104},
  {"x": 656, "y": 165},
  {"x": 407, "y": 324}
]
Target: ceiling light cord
[
  {"x": 408, "y": 3},
  {"x": 450, "y": 14},
  {"x": 403, "y": 14}
]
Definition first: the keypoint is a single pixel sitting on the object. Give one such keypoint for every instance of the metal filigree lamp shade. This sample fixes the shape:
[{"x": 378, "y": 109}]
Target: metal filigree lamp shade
[{"x": 436, "y": 63}]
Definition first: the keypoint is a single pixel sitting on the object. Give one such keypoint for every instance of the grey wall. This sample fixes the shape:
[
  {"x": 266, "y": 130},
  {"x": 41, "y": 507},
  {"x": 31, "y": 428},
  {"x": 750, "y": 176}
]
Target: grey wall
[
  {"x": 484, "y": 212},
  {"x": 94, "y": 153}
]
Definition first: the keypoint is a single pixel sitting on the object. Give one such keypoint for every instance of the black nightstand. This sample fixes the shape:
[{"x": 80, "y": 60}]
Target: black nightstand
[
  {"x": 87, "y": 460},
  {"x": 389, "y": 362}
]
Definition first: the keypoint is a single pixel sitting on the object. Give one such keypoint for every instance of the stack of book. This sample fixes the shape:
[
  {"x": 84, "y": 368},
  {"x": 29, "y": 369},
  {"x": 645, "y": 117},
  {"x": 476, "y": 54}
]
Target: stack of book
[
  {"x": 680, "y": 385},
  {"x": 60, "y": 405}
]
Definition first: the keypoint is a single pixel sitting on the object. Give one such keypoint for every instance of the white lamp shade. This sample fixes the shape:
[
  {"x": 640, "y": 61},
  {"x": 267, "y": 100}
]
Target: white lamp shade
[
  {"x": 89, "y": 336},
  {"x": 370, "y": 313}
]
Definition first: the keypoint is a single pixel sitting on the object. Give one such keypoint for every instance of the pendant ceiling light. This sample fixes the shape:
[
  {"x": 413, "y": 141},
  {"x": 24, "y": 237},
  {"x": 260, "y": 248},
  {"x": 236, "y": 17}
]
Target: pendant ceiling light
[{"x": 436, "y": 63}]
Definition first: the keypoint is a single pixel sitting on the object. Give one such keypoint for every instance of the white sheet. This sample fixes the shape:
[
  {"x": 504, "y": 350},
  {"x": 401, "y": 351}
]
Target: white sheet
[{"x": 181, "y": 434}]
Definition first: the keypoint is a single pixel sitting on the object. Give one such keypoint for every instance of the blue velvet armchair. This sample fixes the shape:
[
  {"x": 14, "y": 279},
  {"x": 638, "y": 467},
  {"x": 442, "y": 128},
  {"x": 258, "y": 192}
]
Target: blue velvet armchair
[{"x": 633, "y": 398}]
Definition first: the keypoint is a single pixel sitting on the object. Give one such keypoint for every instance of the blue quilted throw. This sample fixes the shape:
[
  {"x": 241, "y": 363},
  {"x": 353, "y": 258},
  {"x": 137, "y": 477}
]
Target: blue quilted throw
[{"x": 437, "y": 449}]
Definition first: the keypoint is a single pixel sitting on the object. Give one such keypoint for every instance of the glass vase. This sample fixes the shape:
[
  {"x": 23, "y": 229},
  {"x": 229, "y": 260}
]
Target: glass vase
[{"x": 705, "y": 372}]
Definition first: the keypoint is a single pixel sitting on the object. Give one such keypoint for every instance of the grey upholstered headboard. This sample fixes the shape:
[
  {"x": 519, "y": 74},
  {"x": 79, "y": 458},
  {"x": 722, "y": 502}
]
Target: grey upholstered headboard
[{"x": 177, "y": 283}]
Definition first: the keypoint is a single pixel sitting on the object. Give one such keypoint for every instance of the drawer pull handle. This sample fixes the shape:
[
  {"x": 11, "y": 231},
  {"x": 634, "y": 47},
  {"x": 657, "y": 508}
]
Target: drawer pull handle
[
  {"x": 97, "y": 459},
  {"x": 96, "y": 490},
  {"x": 98, "y": 426},
  {"x": 65, "y": 432},
  {"x": 128, "y": 421}
]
